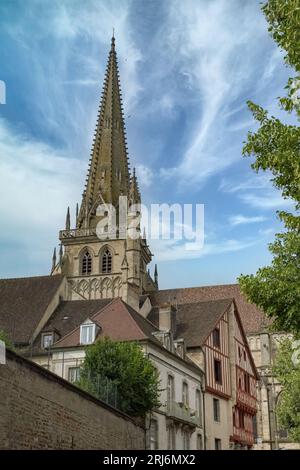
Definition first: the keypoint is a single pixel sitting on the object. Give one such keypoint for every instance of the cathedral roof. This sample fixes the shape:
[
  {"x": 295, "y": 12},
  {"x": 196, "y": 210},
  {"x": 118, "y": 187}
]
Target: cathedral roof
[
  {"x": 253, "y": 319},
  {"x": 23, "y": 302}
]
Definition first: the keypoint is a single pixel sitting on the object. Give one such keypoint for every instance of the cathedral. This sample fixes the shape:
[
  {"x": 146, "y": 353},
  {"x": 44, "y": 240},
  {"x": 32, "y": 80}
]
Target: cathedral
[{"x": 211, "y": 347}]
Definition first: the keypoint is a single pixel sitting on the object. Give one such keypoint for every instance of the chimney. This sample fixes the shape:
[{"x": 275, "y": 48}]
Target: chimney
[{"x": 167, "y": 318}]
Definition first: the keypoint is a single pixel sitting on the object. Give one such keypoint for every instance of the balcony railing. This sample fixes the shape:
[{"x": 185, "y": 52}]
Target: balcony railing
[
  {"x": 181, "y": 412},
  {"x": 246, "y": 399},
  {"x": 77, "y": 232},
  {"x": 242, "y": 436}
]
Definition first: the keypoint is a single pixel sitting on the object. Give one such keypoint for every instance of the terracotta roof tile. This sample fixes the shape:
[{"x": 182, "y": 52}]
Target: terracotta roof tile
[
  {"x": 252, "y": 317},
  {"x": 23, "y": 302}
]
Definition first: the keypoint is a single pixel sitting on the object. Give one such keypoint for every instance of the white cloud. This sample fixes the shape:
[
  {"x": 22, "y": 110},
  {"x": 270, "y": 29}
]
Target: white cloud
[
  {"x": 267, "y": 200},
  {"x": 172, "y": 250},
  {"x": 257, "y": 192},
  {"x": 37, "y": 183},
  {"x": 144, "y": 175},
  {"x": 242, "y": 220},
  {"x": 201, "y": 37},
  {"x": 256, "y": 181}
]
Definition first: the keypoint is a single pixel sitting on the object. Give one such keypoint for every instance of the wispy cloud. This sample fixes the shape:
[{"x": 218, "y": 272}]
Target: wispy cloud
[
  {"x": 218, "y": 70},
  {"x": 172, "y": 250},
  {"x": 256, "y": 191},
  {"x": 145, "y": 175},
  {"x": 268, "y": 200},
  {"x": 37, "y": 184},
  {"x": 243, "y": 220}
]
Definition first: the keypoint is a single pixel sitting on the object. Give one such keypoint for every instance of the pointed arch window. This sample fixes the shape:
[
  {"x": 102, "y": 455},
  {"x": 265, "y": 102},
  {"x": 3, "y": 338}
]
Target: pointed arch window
[
  {"x": 106, "y": 261},
  {"x": 86, "y": 263}
]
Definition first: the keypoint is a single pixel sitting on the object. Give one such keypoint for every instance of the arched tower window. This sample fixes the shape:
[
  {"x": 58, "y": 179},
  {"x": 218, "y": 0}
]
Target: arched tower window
[
  {"x": 106, "y": 261},
  {"x": 86, "y": 263}
]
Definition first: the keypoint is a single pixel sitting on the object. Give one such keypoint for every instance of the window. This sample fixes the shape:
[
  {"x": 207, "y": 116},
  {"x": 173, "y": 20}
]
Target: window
[
  {"x": 171, "y": 438},
  {"x": 199, "y": 442},
  {"x": 216, "y": 406},
  {"x": 216, "y": 338},
  {"x": 170, "y": 389},
  {"x": 106, "y": 261},
  {"x": 47, "y": 340},
  {"x": 185, "y": 394},
  {"x": 86, "y": 263},
  {"x": 218, "y": 444},
  {"x": 186, "y": 440},
  {"x": 87, "y": 333},
  {"x": 199, "y": 405},
  {"x": 247, "y": 383},
  {"x": 218, "y": 371},
  {"x": 240, "y": 353},
  {"x": 241, "y": 420},
  {"x": 283, "y": 434},
  {"x": 153, "y": 435},
  {"x": 73, "y": 374},
  {"x": 245, "y": 355}
]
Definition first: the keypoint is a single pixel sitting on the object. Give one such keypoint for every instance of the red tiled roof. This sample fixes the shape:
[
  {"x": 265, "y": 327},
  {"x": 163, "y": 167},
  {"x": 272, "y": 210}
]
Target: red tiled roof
[
  {"x": 252, "y": 317},
  {"x": 23, "y": 302},
  {"x": 118, "y": 321}
]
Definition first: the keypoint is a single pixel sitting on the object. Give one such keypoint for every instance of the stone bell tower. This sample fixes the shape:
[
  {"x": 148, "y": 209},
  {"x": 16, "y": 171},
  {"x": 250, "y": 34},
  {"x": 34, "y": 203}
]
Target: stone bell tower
[{"x": 112, "y": 265}]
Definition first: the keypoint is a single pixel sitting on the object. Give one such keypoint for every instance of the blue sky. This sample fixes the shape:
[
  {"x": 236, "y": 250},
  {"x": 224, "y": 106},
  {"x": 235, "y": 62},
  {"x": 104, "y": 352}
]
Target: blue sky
[{"x": 187, "y": 69}]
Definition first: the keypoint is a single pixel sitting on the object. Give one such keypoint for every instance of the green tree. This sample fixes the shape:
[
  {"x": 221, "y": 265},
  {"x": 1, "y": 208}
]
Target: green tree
[
  {"x": 120, "y": 373},
  {"x": 5, "y": 338},
  {"x": 287, "y": 371},
  {"x": 276, "y": 148}
]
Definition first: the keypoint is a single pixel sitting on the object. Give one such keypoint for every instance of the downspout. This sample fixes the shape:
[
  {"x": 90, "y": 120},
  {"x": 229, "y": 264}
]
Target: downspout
[
  {"x": 271, "y": 403},
  {"x": 203, "y": 398}
]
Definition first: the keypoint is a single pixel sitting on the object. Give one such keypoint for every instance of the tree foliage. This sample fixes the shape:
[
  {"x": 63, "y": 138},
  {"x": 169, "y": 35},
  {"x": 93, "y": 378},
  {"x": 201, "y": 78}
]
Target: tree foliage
[
  {"x": 276, "y": 148},
  {"x": 287, "y": 371},
  {"x": 5, "y": 338},
  {"x": 121, "y": 369}
]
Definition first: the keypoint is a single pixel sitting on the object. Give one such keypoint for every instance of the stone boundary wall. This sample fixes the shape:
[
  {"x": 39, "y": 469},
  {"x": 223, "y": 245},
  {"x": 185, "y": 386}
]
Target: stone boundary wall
[{"x": 39, "y": 410}]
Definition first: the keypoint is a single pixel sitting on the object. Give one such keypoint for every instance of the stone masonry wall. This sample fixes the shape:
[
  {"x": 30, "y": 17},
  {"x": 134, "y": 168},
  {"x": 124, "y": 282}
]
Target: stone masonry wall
[{"x": 39, "y": 410}]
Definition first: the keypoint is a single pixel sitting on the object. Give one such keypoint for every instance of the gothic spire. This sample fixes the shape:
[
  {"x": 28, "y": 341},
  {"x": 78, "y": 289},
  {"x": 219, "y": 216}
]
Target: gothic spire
[
  {"x": 53, "y": 260},
  {"x": 68, "y": 219},
  {"x": 108, "y": 173},
  {"x": 156, "y": 276},
  {"x": 134, "y": 192}
]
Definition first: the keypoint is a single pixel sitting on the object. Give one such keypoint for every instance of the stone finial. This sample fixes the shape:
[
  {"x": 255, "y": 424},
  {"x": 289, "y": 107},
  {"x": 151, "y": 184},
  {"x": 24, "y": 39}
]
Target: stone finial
[
  {"x": 156, "y": 275},
  {"x": 68, "y": 219},
  {"x": 60, "y": 253},
  {"x": 53, "y": 260}
]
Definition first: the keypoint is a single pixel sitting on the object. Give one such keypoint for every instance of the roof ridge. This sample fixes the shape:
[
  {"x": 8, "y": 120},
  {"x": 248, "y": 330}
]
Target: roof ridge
[
  {"x": 56, "y": 276},
  {"x": 140, "y": 315},
  {"x": 199, "y": 287},
  {"x": 208, "y": 301}
]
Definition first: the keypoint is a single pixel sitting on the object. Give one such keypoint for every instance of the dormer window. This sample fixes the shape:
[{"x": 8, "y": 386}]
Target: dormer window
[
  {"x": 86, "y": 263},
  {"x": 47, "y": 340},
  {"x": 87, "y": 333}
]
